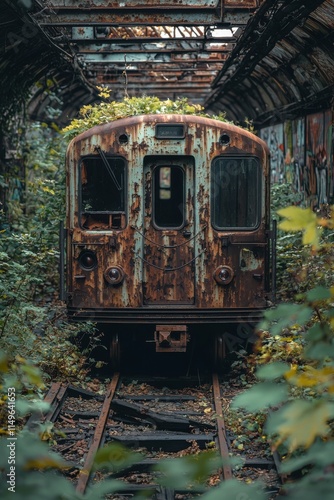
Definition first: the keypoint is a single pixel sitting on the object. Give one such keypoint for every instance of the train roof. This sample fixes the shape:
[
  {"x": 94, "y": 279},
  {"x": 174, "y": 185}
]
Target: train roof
[{"x": 129, "y": 121}]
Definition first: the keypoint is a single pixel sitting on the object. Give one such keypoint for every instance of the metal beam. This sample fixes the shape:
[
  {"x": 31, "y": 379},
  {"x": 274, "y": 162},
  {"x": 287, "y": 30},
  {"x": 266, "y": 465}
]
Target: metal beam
[
  {"x": 144, "y": 69},
  {"x": 155, "y": 58},
  {"x": 149, "y": 48},
  {"x": 87, "y": 35},
  {"x": 134, "y": 5},
  {"x": 158, "y": 46},
  {"x": 164, "y": 85},
  {"x": 147, "y": 12},
  {"x": 141, "y": 4},
  {"x": 150, "y": 17}
]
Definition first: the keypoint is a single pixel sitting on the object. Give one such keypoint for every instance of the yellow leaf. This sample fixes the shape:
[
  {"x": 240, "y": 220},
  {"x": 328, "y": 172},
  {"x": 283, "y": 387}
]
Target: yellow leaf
[
  {"x": 305, "y": 380},
  {"x": 211, "y": 445},
  {"x": 19, "y": 359},
  {"x": 311, "y": 235},
  {"x": 301, "y": 219},
  {"x": 3, "y": 364},
  {"x": 291, "y": 373},
  {"x": 297, "y": 218},
  {"x": 303, "y": 421},
  {"x": 44, "y": 463},
  {"x": 311, "y": 377}
]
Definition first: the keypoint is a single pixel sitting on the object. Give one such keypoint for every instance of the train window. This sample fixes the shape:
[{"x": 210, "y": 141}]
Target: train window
[
  {"x": 168, "y": 200},
  {"x": 102, "y": 196},
  {"x": 235, "y": 193}
]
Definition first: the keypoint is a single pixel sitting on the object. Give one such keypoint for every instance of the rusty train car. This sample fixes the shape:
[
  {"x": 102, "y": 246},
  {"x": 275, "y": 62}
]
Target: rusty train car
[{"x": 167, "y": 232}]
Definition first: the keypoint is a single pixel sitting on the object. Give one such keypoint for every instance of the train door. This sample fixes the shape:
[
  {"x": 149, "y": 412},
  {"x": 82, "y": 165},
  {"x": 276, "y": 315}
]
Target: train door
[{"x": 169, "y": 228}]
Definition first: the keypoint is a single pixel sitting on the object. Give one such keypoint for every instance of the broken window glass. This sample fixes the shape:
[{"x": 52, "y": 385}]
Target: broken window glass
[
  {"x": 168, "y": 205},
  {"x": 102, "y": 197}
]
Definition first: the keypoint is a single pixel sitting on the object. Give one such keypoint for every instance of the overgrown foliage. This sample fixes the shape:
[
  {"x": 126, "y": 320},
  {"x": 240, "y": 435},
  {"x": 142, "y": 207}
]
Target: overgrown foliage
[
  {"x": 107, "y": 111},
  {"x": 37, "y": 344},
  {"x": 32, "y": 322},
  {"x": 297, "y": 266},
  {"x": 295, "y": 358},
  {"x": 297, "y": 386}
]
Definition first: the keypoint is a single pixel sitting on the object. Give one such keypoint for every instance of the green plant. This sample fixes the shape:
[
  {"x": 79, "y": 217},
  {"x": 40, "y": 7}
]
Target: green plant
[
  {"x": 297, "y": 267},
  {"x": 32, "y": 322},
  {"x": 107, "y": 111},
  {"x": 299, "y": 389}
]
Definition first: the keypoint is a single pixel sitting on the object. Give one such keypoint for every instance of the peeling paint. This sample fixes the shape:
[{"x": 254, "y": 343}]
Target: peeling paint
[{"x": 167, "y": 262}]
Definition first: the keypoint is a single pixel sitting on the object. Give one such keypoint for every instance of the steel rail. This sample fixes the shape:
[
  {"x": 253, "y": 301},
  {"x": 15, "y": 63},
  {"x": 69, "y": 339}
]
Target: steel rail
[
  {"x": 55, "y": 397},
  {"x": 85, "y": 472},
  {"x": 221, "y": 429}
]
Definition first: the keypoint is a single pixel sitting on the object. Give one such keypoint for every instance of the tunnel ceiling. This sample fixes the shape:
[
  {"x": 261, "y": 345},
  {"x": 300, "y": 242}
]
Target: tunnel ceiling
[{"x": 265, "y": 60}]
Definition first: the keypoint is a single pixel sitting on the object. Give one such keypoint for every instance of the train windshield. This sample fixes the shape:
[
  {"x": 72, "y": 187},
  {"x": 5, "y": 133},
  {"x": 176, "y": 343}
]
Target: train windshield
[
  {"x": 102, "y": 192},
  {"x": 235, "y": 193}
]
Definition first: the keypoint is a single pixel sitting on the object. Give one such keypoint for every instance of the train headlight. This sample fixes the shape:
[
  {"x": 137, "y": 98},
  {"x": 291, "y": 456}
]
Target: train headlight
[
  {"x": 114, "y": 275},
  {"x": 87, "y": 260},
  {"x": 223, "y": 275}
]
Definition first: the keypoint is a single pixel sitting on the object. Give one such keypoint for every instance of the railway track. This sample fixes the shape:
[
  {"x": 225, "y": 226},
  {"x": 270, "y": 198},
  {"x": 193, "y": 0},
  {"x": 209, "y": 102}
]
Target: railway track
[{"x": 156, "y": 416}]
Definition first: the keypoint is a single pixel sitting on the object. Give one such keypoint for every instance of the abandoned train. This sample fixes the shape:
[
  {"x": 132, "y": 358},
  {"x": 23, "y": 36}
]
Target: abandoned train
[{"x": 167, "y": 231}]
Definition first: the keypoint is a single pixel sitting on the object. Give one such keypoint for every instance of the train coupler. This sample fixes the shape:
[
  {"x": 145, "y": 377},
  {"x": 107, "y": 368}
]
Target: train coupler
[{"x": 171, "y": 338}]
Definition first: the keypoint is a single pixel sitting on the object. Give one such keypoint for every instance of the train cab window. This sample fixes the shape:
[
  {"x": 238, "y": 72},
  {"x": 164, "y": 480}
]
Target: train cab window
[
  {"x": 235, "y": 193},
  {"x": 168, "y": 199},
  {"x": 102, "y": 196}
]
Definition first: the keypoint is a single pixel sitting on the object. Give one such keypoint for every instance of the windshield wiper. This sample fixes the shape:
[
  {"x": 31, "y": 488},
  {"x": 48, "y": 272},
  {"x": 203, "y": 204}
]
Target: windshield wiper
[{"x": 108, "y": 167}]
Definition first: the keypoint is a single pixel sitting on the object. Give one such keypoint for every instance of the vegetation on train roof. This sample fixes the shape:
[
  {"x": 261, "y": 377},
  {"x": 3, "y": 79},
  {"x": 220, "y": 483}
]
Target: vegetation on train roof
[{"x": 108, "y": 111}]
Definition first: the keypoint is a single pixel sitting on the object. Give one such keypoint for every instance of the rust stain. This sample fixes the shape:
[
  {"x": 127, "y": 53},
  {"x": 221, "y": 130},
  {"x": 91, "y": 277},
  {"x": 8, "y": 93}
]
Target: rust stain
[{"x": 174, "y": 266}]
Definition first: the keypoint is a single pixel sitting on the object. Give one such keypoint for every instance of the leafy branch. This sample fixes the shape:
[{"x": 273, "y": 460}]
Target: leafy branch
[{"x": 299, "y": 395}]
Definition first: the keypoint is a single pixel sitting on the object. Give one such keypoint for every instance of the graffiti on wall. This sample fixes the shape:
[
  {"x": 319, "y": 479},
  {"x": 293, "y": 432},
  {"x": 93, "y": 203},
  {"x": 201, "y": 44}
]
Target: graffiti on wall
[
  {"x": 274, "y": 138},
  {"x": 319, "y": 164},
  {"x": 302, "y": 155},
  {"x": 294, "y": 153}
]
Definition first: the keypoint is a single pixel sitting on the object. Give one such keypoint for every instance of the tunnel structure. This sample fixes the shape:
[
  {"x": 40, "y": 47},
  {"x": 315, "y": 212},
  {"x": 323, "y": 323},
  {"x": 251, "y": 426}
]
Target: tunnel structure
[{"x": 268, "y": 62}]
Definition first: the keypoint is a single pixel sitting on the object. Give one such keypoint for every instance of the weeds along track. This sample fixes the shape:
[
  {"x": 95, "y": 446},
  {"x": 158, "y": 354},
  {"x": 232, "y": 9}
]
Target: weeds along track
[{"x": 156, "y": 418}]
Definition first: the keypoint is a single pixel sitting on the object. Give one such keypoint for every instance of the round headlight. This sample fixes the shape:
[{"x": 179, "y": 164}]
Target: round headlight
[
  {"x": 114, "y": 275},
  {"x": 223, "y": 275},
  {"x": 87, "y": 260}
]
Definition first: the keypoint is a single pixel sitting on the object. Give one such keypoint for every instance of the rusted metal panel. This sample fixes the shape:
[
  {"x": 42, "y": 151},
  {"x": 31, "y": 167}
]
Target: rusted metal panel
[
  {"x": 163, "y": 266},
  {"x": 168, "y": 254}
]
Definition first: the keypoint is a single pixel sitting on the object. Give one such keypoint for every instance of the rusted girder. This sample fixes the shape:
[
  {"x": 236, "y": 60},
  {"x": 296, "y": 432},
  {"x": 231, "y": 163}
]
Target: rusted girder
[
  {"x": 158, "y": 47},
  {"x": 148, "y": 12},
  {"x": 155, "y": 57},
  {"x": 86, "y": 36}
]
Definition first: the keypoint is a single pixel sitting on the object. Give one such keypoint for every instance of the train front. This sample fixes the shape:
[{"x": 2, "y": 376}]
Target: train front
[{"x": 167, "y": 227}]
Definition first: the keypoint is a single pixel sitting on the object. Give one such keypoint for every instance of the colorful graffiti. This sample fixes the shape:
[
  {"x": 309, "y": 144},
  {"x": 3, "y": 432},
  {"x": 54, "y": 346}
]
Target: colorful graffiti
[
  {"x": 302, "y": 155},
  {"x": 274, "y": 138}
]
